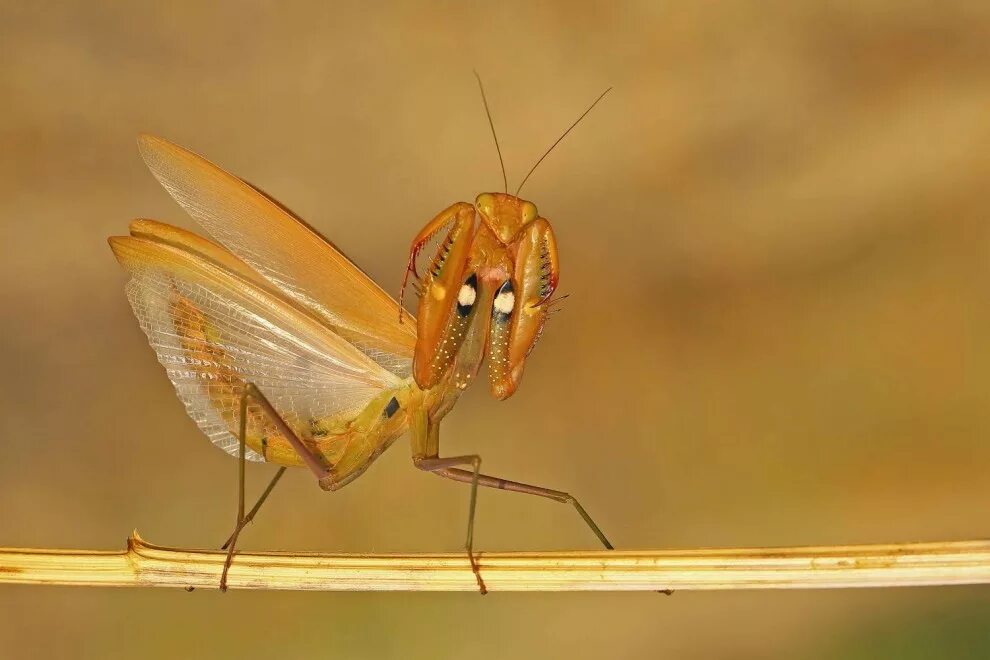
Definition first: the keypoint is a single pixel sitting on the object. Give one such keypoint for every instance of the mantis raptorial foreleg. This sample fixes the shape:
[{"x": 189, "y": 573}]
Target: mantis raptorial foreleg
[{"x": 460, "y": 214}]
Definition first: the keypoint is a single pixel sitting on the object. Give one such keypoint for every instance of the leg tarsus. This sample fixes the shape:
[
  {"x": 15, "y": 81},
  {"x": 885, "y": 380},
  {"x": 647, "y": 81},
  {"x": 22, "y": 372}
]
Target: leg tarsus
[
  {"x": 230, "y": 556},
  {"x": 476, "y": 569}
]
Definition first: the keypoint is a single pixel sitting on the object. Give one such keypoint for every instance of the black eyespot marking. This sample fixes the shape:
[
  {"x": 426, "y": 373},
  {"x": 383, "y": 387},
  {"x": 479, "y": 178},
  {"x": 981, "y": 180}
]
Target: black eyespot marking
[
  {"x": 504, "y": 303},
  {"x": 391, "y": 408},
  {"x": 467, "y": 295}
]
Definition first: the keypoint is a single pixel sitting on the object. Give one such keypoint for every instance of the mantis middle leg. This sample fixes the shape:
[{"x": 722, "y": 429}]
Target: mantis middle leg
[{"x": 425, "y": 446}]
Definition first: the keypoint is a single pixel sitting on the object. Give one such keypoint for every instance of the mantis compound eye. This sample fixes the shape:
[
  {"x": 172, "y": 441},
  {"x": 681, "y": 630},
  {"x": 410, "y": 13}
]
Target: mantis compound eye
[
  {"x": 485, "y": 203},
  {"x": 529, "y": 212}
]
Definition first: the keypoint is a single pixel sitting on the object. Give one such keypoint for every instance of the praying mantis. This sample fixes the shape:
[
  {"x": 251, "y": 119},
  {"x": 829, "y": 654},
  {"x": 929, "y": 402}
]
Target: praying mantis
[{"x": 283, "y": 351}]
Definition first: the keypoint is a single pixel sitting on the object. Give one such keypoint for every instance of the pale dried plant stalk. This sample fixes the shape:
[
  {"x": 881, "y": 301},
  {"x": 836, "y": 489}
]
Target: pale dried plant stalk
[{"x": 144, "y": 564}]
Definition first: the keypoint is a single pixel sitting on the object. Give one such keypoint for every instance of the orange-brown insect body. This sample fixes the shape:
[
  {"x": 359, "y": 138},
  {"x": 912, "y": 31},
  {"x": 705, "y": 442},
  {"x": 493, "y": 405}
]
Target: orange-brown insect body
[{"x": 282, "y": 350}]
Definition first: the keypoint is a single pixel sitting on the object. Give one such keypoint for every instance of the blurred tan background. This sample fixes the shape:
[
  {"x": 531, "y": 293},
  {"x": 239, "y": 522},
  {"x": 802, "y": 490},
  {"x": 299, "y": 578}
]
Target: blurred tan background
[{"x": 774, "y": 233}]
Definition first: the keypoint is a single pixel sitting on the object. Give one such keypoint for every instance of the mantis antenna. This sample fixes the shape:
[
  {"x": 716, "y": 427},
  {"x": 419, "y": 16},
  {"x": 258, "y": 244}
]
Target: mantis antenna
[
  {"x": 488, "y": 112},
  {"x": 547, "y": 153}
]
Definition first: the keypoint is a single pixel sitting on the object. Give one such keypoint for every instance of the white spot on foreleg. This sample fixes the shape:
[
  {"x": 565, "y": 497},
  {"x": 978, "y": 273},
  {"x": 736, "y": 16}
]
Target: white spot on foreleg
[{"x": 466, "y": 295}]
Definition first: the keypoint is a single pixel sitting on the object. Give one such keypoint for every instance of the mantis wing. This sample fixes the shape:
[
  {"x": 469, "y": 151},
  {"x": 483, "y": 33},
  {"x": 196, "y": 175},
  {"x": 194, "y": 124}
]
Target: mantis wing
[
  {"x": 285, "y": 251},
  {"x": 216, "y": 325}
]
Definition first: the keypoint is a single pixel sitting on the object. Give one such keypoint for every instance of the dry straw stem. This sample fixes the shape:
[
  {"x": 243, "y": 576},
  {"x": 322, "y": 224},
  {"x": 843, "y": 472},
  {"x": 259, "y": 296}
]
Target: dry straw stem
[{"x": 146, "y": 565}]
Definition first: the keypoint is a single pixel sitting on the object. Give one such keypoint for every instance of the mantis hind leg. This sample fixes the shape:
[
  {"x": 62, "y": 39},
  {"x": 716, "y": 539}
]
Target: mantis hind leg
[
  {"x": 242, "y": 522},
  {"x": 322, "y": 473}
]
